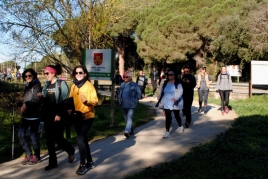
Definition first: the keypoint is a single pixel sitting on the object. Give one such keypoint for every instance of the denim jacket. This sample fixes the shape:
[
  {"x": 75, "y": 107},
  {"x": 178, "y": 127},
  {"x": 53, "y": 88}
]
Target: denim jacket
[{"x": 134, "y": 95}]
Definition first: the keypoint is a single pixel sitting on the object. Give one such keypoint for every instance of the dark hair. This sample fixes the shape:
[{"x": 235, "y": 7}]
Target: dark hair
[
  {"x": 186, "y": 66},
  {"x": 31, "y": 71},
  {"x": 84, "y": 68},
  {"x": 56, "y": 67}
]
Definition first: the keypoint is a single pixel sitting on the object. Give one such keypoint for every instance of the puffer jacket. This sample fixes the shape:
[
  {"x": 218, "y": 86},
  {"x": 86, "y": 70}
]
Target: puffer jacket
[{"x": 30, "y": 99}]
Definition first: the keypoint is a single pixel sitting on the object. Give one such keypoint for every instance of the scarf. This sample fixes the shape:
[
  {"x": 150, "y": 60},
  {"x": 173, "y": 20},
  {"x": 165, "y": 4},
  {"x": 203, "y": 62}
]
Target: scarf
[
  {"x": 35, "y": 81},
  {"x": 80, "y": 83}
]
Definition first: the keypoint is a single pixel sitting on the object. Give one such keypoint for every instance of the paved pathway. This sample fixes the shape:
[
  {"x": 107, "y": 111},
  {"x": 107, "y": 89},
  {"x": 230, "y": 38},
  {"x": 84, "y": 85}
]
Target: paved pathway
[{"x": 116, "y": 157}]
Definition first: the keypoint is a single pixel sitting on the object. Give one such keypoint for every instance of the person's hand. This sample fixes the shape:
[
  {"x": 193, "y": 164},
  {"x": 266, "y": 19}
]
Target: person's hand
[
  {"x": 57, "y": 118},
  {"x": 69, "y": 111},
  {"x": 23, "y": 108},
  {"x": 174, "y": 99},
  {"x": 83, "y": 98},
  {"x": 39, "y": 94},
  {"x": 163, "y": 113}
]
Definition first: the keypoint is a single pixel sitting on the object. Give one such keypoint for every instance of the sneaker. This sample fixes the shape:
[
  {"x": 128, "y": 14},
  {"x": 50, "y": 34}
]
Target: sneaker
[
  {"x": 34, "y": 160},
  {"x": 187, "y": 125},
  {"x": 90, "y": 165},
  {"x": 26, "y": 159},
  {"x": 226, "y": 109},
  {"x": 70, "y": 158},
  {"x": 205, "y": 110},
  {"x": 126, "y": 134},
  {"x": 199, "y": 109},
  {"x": 167, "y": 135},
  {"x": 50, "y": 167},
  {"x": 132, "y": 131},
  {"x": 82, "y": 169},
  {"x": 180, "y": 130},
  {"x": 222, "y": 113}
]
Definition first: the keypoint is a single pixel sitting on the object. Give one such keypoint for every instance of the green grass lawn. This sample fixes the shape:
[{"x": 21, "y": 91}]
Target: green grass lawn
[
  {"x": 240, "y": 152},
  {"x": 101, "y": 127}
]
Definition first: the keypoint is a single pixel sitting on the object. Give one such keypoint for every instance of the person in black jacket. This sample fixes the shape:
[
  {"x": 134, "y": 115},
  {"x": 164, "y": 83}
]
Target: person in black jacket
[
  {"x": 188, "y": 84},
  {"x": 30, "y": 118}
]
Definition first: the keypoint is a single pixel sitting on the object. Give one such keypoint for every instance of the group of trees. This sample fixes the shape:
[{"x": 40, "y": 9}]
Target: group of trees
[{"x": 142, "y": 32}]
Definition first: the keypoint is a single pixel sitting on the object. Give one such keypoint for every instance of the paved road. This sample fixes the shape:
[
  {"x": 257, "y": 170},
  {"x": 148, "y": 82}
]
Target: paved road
[{"x": 116, "y": 157}]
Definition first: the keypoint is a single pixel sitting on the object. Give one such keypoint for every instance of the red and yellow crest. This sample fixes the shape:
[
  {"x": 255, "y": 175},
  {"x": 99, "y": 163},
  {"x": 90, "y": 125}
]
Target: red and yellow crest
[{"x": 98, "y": 58}]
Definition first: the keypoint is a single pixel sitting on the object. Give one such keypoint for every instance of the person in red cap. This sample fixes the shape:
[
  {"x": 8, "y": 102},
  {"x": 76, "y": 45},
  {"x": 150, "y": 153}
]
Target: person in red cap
[{"x": 53, "y": 92}]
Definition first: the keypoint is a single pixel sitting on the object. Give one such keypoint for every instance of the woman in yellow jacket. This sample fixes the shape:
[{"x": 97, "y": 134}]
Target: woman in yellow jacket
[{"x": 85, "y": 98}]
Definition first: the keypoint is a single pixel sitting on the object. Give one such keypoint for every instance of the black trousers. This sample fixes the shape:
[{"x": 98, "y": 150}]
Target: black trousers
[
  {"x": 224, "y": 98},
  {"x": 187, "y": 106},
  {"x": 169, "y": 118},
  {"x": 154, "y": 85},
  {"x": 54, "y": 135},
  {"x": 82, "y": 128}
]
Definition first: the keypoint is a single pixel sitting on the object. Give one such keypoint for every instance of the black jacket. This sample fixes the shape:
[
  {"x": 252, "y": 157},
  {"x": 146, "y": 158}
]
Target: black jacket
[{"x": 32, "y": 102}]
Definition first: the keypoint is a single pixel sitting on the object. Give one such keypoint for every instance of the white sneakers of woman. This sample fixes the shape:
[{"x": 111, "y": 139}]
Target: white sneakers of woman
[
  {"x": 180, "y": 130},
  {"x": 167, "y": 135}
]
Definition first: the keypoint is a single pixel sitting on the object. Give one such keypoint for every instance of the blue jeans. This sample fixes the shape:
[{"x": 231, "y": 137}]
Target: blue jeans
[
  {"x": 23, "y": 127},
  {"x": 128, "y": 113}
]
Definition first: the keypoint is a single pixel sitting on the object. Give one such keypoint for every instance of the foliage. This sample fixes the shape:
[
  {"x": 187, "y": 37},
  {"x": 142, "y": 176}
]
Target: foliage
[{"x": 237, "y": 153}]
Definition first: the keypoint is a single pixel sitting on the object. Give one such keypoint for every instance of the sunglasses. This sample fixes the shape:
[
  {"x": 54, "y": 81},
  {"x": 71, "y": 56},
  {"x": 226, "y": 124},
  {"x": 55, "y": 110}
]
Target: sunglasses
[
  {"x": 186, "y": 71},
  {"x": 170, "y": 74},
  {"x": 80, "y": 73},
  {"x": 46, "y": 73},
  {"x": 125, "y": 76},
  {"x": 26, "y": 76}
]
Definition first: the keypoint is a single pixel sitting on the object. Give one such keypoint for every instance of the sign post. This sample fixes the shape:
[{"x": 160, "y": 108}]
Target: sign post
[{"x": 100, "y": 64}]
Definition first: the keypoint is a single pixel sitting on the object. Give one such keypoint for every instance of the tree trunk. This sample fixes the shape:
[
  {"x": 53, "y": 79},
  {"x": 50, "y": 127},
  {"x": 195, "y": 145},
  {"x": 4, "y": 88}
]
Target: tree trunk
[{"x": 121, "y": 64}]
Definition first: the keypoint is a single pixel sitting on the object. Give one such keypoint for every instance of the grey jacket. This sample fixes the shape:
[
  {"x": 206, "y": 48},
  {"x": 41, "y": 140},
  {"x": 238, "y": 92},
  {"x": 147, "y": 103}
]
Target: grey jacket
[{"x": 224, "y": 83}]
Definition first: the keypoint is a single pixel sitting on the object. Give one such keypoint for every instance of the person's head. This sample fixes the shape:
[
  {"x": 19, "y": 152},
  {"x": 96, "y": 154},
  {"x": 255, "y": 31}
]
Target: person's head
[
  {"x": 127, "y": 77},
  {"x": 154, "y": 68},
  {"x": 224, "y": 69},
  {"x": 171, "y": 75},
  {"x": 203, "y": 69},
  {"x": 141, "y": 73},
  {"x": 80, "y": 72},
  {"x": 28, "y": 75},
  {"x": 51, "y": 71},
  {"x": 186, "y": 70},
  {"x": 166, "y": 70}
]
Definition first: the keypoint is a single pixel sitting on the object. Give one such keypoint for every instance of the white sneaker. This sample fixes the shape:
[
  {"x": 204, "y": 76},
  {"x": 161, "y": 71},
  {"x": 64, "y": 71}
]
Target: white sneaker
[
  {"x": 180, "y": 129},
  {"x": 167, "y": 135}
]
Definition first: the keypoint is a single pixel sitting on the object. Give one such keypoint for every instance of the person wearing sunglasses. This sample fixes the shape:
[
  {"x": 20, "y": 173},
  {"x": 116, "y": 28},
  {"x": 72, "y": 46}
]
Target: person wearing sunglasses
[
  {"x": 85, "y": 98},
  {"x": 188, "y": 84},
  {"x": 170, "y": 100},
  {"x": 54, "y": 91},
  {"x": 203, "y": 83},
  {"x": 29, "y": 118},
  {"x": 128, "y": 95}
]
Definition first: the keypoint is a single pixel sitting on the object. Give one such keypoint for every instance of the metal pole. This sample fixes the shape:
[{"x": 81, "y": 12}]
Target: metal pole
[
  {"x": 113, "y": 90},
  {"x": 13, "y": 132}
]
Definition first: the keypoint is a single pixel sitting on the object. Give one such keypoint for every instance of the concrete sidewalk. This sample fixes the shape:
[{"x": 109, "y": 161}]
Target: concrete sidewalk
[{"x": 116, "y": 157}]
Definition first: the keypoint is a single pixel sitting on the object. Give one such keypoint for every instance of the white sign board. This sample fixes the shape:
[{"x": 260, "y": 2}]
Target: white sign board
[
  {"x": 259, "y": 72},
  {"x": 99, "y": 63},
  {"x": 234, "y": 70}
]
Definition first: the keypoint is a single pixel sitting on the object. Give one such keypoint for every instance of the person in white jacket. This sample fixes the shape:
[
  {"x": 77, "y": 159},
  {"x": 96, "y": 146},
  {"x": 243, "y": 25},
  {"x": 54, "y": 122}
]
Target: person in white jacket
[{"x": 170, "y": 100}]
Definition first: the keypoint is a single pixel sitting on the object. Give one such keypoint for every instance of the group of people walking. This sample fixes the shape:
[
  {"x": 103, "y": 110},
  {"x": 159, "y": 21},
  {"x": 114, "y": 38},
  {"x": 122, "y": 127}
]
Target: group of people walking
[{"x": 55, "y": 102}]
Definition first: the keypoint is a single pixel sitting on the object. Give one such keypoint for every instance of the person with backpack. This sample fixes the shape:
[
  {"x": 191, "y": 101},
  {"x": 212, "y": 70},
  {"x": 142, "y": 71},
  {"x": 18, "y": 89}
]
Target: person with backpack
[
  {"x": 128, "y": 97},
  {"x": 224, "y": 87},
  {"x": 188, "y": 84},
  {"x": 170, "y": 100},
  {"x": 30, "y": 119},
  {"x": 203, "y": 83},
  {"x": 53, "y": 92},
  {"x": 142, "y": 81},
  {"x": 85, "y": 98}
]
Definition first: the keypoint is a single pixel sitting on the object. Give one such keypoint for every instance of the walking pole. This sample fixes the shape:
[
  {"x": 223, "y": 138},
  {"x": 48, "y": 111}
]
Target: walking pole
[{"x": 13, "y": 102}]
